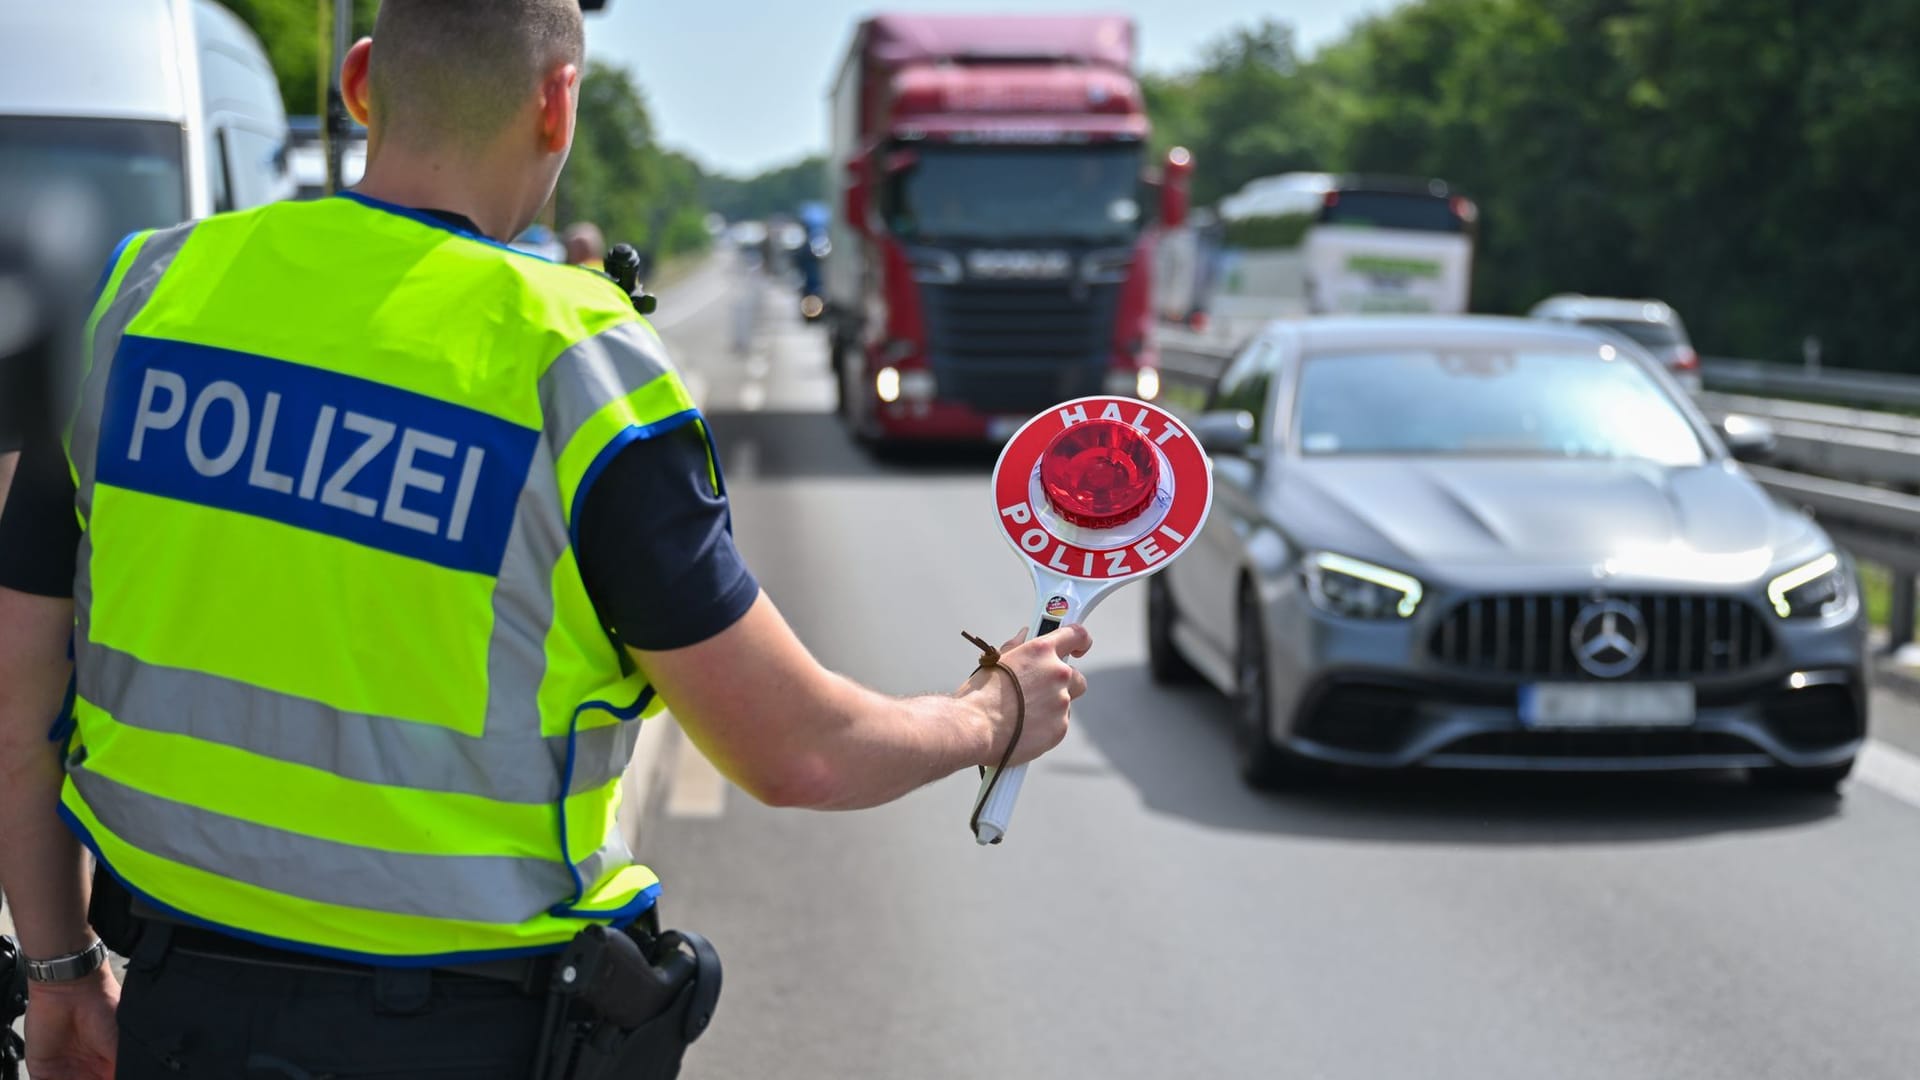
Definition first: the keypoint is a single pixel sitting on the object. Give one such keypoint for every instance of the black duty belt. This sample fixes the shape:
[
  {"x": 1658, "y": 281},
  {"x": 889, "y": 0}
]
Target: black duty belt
[{"x": 528, "y": 972}]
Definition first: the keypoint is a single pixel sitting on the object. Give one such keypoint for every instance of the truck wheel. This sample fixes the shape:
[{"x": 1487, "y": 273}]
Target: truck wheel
[{"x": 853, "y": 405}]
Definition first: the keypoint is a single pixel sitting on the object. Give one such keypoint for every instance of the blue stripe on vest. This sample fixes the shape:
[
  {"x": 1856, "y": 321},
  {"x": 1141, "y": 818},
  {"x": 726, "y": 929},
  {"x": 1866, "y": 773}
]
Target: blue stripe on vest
[{"x": 331, "y": 453}]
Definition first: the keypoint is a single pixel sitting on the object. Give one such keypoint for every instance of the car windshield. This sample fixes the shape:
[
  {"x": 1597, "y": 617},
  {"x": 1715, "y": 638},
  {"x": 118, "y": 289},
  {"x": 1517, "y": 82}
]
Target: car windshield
[
  {"x": 127, "y": 174},
  {"x": 1089, "y": 193},
  {"x": 1653, "y": 335},
  {"x": 1554, "y": 404}
]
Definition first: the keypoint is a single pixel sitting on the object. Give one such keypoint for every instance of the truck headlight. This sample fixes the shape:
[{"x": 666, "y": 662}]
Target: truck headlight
[
  {"x": 1358, "y": 589},
  {"x": 1819, "y": 589}
]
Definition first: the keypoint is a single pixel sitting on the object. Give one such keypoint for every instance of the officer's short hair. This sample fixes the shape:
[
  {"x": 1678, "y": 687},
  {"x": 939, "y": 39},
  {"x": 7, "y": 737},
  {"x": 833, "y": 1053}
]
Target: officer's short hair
[{"x": 455, "y": 71}]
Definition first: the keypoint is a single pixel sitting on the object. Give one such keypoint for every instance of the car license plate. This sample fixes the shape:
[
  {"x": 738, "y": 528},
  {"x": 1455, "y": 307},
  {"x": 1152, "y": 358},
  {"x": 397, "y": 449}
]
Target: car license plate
[{"x": 1578, "y": 705}]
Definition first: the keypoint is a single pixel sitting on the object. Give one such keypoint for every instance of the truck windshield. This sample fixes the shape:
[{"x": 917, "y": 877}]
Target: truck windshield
[
  {"x": 1087, "y": 193},
  {"x": 122, "y": 175},
  {"x": 1392, "y": 210}
]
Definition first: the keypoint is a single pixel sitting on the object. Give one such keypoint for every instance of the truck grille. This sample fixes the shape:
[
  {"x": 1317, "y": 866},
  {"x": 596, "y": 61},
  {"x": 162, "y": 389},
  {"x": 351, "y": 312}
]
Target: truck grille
[
  {"x": 1018, "y": 348},
  {"x": 1531, "y": 636}
]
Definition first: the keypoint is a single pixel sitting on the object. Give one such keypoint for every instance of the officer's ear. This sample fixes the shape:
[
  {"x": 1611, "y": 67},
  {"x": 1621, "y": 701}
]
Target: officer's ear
[
  {"x": 353, "y": 80},
  {"x": 559, "y": 94}
]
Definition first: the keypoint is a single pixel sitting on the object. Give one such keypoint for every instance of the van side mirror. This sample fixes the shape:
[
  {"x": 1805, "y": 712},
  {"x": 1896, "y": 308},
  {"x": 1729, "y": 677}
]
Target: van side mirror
[
  {"x": 1175, "y": 185},
  {"x": 1749, "y": 440},
  {"x": 857, "y": 194},
  {"x": 1226, "y": 433}
]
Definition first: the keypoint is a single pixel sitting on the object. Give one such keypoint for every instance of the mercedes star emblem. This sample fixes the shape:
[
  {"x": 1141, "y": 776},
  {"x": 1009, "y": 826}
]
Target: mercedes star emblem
[{"x": 1609, "y": 638}]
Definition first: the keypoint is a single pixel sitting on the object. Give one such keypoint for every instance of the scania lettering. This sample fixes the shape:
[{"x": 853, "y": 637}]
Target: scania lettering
[{"x": 993, "y": 240}]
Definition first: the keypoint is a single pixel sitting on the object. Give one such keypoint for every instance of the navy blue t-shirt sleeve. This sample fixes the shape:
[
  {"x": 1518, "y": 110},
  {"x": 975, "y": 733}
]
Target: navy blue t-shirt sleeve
[
  {"x": 39, "y": 534},
  {"x": 655, "y": 548}
]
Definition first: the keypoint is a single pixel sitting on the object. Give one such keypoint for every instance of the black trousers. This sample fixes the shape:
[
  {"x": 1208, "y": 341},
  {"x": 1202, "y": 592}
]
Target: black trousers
[{"x": 188, "y": 1014}]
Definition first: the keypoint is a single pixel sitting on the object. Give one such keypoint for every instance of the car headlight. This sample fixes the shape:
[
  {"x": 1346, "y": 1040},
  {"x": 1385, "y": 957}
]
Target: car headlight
[
  {"x": 1820, "y": 589},
  {"x": 1360, "y": 590}
]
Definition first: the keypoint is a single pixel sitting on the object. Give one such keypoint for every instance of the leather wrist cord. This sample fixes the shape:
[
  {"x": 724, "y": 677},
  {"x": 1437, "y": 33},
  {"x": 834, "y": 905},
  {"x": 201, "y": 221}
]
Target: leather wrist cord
[{"x": 990, "y": 661}]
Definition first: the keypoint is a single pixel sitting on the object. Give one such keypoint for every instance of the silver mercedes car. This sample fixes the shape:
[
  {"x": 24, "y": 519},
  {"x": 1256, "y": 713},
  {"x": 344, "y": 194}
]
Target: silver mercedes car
[{"x": 1485, "y": 543}]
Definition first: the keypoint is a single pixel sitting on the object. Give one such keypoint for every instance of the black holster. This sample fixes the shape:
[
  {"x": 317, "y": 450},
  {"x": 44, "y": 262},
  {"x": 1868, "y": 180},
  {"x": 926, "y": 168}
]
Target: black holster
[
  {"x": 625, "y": 1005},
  {"x": 13, "y": 1005}
]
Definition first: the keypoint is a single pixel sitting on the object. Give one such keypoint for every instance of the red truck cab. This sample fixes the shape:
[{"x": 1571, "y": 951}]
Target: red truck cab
[{"x": 993, "y": 236}]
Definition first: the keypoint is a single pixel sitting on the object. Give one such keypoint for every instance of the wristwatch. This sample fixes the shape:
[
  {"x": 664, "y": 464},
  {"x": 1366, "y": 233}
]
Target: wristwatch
[{"x": 66, "y": 968}]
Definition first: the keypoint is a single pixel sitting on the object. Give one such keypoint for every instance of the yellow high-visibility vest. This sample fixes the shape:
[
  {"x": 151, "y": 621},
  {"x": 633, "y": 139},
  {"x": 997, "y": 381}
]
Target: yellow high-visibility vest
[{"x": 339, "y": 686}]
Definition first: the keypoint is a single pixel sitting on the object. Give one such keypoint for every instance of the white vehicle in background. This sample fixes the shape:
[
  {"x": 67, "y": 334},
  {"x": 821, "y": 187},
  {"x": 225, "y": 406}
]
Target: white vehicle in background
[
  {"x": 1318, "y": 244},
  {"x": 136, "y": 114},
  {"x": 307, "y": 156},
  {"x": 1650, "y": 324}
]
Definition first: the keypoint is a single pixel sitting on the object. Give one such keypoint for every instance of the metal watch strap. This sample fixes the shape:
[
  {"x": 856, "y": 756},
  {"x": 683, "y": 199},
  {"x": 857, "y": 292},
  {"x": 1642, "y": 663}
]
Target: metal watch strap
[{"x": 66, "y": 968}]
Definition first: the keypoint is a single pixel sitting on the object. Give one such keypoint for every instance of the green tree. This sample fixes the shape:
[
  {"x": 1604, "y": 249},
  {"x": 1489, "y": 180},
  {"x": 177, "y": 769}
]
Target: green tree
[
  {"x": 297, "y": 34},
  {"x": 776, "y": 191},
  {"x": 619, "y": 178}
]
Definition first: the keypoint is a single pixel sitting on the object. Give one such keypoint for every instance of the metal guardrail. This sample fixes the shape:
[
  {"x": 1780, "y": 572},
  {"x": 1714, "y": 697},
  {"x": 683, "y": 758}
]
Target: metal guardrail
[
  {"x": 1845, "y": 466},
  {"x": 1781, "y": 380}
]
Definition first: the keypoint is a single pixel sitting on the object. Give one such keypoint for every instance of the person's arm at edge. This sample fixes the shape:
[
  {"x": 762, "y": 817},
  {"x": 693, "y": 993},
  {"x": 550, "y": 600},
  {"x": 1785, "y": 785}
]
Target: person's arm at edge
[
  {"x": 43, "y": 869},
  {"x": 791, "y": 733}
]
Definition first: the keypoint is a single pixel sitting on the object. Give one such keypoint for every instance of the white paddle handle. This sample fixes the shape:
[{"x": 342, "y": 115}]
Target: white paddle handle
[{"x": 997, "y": 810}]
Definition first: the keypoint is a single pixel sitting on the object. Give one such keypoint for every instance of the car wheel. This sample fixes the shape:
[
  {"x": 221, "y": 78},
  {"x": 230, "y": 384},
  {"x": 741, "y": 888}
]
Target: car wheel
[
  {"x": 1262, "y": 764},
  {"x": 1823, "y": 779},
  {"x": 1164, "y": 661}
]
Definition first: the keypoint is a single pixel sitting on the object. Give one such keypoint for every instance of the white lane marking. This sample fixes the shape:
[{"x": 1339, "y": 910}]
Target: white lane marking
[
  {"x": 696, "y": 387},
  {"x": 697, "y": 790},
  {"x": 1890, "y": 769},
  {"x": 676, "y": 308}
]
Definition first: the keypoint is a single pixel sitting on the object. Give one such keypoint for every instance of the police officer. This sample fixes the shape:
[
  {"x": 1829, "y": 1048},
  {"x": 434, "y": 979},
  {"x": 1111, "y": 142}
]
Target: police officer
[{"x": 374, "y": 541}]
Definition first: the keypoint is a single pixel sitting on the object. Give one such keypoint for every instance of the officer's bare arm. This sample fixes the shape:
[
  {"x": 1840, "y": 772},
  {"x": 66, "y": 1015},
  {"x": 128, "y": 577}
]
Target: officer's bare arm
[
  {"x": 792, "y": 733},
  {"x": 41, "y": 867}
]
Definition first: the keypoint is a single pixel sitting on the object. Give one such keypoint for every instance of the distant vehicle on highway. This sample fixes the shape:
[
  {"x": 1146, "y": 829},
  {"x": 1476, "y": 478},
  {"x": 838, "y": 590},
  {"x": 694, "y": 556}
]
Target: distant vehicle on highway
[
  {"x": 307, "y": 156},
  {"x": 993, "y": 238},
  {"x": 1318, "y": 243},
  {"x": 175, "y": 112},
  {"x": 1650, "y": 324},
  {"x": 1501, "y": 544}
]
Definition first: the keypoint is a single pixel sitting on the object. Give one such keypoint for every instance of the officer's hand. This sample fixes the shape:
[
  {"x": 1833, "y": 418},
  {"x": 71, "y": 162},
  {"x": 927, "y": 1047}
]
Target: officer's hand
[
  {"x": 1050, "y": 685},
  {"x": 70, "y": 1029}
]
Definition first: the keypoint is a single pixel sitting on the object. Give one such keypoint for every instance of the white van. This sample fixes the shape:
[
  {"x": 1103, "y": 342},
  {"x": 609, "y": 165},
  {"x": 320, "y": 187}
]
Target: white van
[{"x": 133, "y": 114}]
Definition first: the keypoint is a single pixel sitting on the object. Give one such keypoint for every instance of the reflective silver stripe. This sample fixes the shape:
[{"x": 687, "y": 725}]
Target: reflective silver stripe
[
  {"x": 615, "y": 855},
  {"x": 604, "y": 368},
  {"x": 523, "y": 604},
  {"x": 136, "y": 288},
  {"x": 471, "y": 888},
  {"x": 371, "y": 749}
]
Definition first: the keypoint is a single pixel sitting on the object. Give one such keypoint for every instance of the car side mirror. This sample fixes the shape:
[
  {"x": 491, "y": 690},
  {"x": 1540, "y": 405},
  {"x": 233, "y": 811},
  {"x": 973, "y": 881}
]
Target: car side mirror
[
  {"x": 1748, "y": 439},
  {"x": 1226, "y": 433}
]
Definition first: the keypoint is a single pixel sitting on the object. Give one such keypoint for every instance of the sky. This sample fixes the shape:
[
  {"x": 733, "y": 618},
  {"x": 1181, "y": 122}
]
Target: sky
[{"x": 741, "y": 84}]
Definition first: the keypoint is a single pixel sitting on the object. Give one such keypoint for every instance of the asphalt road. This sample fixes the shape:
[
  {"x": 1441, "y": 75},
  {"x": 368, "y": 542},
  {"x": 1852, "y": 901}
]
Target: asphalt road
[{"x": 1149, "y": 917}]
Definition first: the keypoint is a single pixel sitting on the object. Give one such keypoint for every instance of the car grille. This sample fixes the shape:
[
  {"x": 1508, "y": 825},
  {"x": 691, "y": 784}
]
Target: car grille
[
  {"x": 1531, "y": 636},
  {"x": 1018, "y": 348},
  {"x": 1599, "y": 744}
]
